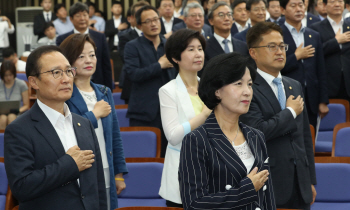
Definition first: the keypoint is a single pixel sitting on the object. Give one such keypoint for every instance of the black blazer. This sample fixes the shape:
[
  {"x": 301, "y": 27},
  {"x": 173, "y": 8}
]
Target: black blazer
[
  {"x": 111, "y": 31},
  {"x": 242, "y": 35},
  {"x": 312, "y": 70},
  {"x": 206, "y": 28},
  {"x": 310, "y": 19},
  {"x": 288, "y": 140},
  {"x": 234, "y": 29},
  {"x": 176, "y": 20},
  {"x": 41, "y": 175},
  {"x": 337, "y": 60},
  {"x": 103, "y": 73},
  {"x": 212, "y": 175},
  {"x": 39, "y": 24}
]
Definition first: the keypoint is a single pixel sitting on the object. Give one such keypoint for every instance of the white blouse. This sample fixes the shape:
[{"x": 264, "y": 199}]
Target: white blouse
[{"x": 244, "y": 152}]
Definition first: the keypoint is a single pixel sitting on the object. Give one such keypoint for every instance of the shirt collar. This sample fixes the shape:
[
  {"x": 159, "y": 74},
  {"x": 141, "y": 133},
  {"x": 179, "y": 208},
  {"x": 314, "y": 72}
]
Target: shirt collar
[
  {"x": 77, "y": 32},
  {"x": 273, "y": 20},
  {"x": 120, "y": 18},
  {"x": 54, "y": 115},
  {"x": 268, "y": 77},
  {"x": 332, "y": 22},
  {"x": 220, "y": 38},
  {"x": 241, "y": 27},
  {"x": 45, "y": 13},
  {"x": 172, "y": 20},
  {"x": 291, "y": 28},
  {"x": 139, "y": 32}
]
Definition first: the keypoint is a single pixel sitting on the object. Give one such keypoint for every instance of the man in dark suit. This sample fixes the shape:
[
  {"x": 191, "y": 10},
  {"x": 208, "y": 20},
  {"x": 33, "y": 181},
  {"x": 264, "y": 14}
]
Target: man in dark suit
[
  {"x": 335, "y": 36},
  {"x": 194, "y": 19},
  {"x": 220, "y": 17},
  {"x": 115, "y": 25},
  {"x": 277, "y": 109},
  {"x": 148, "y": 69},
  {"x": 240, "y": 16},
  {"x": 305, "y": 59},
  {"x": 274, "y": 9},
  {"x": 41, "y": 19},
  {"x": 167, "y": 21},
  {"x": 257, "y": 13},
  {"x": 309, "y": 19},
  {"x": 79, "y": 16},
  {"x": 52, "y": 156}
]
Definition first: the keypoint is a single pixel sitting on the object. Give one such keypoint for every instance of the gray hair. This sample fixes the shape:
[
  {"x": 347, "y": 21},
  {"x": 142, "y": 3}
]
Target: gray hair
[
  {"x": 184, "y": 3},
  {"x": 215, "y": 6},
  {"x": 192, "y": 6}
]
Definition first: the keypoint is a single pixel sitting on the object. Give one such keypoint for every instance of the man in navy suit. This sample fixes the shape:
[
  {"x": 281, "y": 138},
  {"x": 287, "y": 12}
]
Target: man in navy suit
[
  {"x": 148, "y": 69},
  {"x": 79, "y": 16},
  {"x": 274, "y": 9},
  {"x": 167, "y": 21},
  {"x": 41, "y": 19},
  {"x": 194, "y": 19},
  {"x": 308, "y": 19},
  {"x": 52, "y": 156},
  {"x": 257, "y": 13},
  {"x": 277, "y": 109},
  {"x": 305, "y": 61},
  {"x": 335, "y": 36},
  {"x": 240, "y": 16},
  {"x": 220, "y": 17}
]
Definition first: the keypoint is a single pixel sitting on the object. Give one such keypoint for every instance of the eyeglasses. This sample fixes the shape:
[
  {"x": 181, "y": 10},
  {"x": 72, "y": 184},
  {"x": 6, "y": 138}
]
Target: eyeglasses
[
  {"x": 194, "y": 15},
  {"x": 222, "y": 15},
  {"x": 274, "y": 47},
  {"x": 58, "y": 73},
  {"x": 333, "y": 2},
  {"x": 150, "y": 21}
]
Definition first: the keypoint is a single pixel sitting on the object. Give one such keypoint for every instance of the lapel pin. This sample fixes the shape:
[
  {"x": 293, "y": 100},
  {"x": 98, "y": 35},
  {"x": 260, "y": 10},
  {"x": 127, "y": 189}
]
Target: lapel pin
[
  {"x": 290, "y": 87},
  {"x": 78, "y": 124},
  {"x": 310, "y": 18},
  {"x": 348, "y": 27},
  {"x": 310, "y": 36},
  {"x": 208, "y": 37}
]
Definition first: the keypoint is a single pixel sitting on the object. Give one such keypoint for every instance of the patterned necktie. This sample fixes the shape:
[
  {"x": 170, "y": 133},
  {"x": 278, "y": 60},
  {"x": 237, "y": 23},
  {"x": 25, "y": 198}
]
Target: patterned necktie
[
  {"x": 281, "y": 95},
  {"x": 47, "y": 17},
  {"x": 225, "y": 42}
]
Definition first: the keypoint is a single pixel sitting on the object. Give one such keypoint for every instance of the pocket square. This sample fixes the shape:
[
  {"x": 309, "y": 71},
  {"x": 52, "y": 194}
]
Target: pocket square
[{"x": 267, "y": 160}]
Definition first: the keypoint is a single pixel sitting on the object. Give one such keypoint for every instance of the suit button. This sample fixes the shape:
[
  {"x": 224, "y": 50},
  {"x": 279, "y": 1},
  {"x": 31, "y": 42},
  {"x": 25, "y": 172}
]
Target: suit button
[
  {"x": 228, "y": 187},
  {"x": 110, "y": 153},
  {"x": 264, "y": 188},
  {"x": 82, "y": 196}
]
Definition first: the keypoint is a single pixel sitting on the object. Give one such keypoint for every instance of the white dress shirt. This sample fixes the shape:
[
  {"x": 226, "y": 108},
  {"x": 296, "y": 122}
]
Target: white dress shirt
[
  {"x": 221, "y": 39},
  {"x": 77, "y": 32},
  {"x": 304, "y": 20},
  {"x": 168, "y": 25},
  {"x": 117, "y": 22},
  {"x": 139, "y": 32},
  {"x": 269, "y": 79},
  {"x": 336, "y": 26},
  {"x": 242, "y": 28},
  {"x": 298, "y": 37},
  {"x": 47, "y": 14},
  {"x": 47, "y": 41},
  {"x": 178, "y": 14},
  {"x": 4, "y": 31}
]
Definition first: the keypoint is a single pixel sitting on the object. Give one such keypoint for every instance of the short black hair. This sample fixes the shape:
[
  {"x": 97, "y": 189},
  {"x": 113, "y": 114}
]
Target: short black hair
[
  {"x": 57, "y": 7},
  {"x": 159, "y": 2},
  {"x": 142, "y": 9},
  {"x": 237, "y": 2},
  {"x": 48, "y": 25},
  {"x": 33, "y": 66},
  {"x": 41, "y": 1},
  {"x": 128, "y": 12},
  {"x": 78, "y": 7},
  {"x": 117, "y": 2},
  {"x": 7, "y": 66},
  {"x": 7, "y": 52},
  {"x": 220, "y": 71},
  {"x": 178, "y": 42},
  {"x": 255, "y": 33},
  {"x": 346, "y": 1},
  {"x": 214, "y": 7},
  {"x": 283, "y": 3},
  {"x": 251, "y": 2},
  {"x": 91, "y": 4},
  {"x": 138, "y": 4},
  {"x": 268, "y": 2}
]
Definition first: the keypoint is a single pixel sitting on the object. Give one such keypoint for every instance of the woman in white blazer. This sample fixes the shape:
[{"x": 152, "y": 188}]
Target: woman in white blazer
[{"x": 180, "y": 106}]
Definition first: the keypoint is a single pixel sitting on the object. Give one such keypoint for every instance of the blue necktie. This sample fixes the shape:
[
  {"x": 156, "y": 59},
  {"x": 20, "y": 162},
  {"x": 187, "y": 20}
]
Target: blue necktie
[
  {"x": 281, "y": 95},
  {"x": 227, "y": 50}
]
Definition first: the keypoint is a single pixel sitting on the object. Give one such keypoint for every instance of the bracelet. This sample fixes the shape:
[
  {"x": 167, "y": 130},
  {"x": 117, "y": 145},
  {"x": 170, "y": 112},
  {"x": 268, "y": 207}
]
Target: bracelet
[{"x": 119, "y": 179}]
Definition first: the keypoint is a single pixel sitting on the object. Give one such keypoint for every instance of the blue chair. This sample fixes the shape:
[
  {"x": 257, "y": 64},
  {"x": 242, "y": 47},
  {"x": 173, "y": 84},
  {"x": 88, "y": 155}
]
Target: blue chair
[
  {"x": 141, "y": 142},
  {"x": 333, "y": 186},
  {"x": 3, "y": 186},
  {"x": 122, "y": 119},
  {"x": 341, "y": 142},
  {"x": 1, "y": 144},
  {"x": 22, "y": 76},
  {"x": 143, "y": 183},
  {"x": 117, "y": 99},
  {"x": 336, "y": 115}
]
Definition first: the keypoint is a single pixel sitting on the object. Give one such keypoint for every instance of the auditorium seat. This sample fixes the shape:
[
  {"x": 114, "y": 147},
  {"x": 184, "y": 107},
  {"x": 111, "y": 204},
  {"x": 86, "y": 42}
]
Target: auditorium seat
[
  {"x": 22, "y": 76},
  {"x": 143, "y": 183},
  {"x": 122, "y": 119},
  {"x": 1, "y": 144},
  {"x": 341, "y": 142},
  {"x": 3, "y": 186},
  {"x": 117, "y": 99},
  {"x": 333, "y": 186}
]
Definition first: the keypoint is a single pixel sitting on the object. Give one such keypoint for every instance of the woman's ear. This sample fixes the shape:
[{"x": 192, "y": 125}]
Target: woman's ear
[{"x": 217, "y": 94}]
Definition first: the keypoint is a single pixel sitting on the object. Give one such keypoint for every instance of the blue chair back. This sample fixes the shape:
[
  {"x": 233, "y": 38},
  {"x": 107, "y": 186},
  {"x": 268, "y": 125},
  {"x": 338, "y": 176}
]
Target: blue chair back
[
  {"x": 342, "y": 143},
  {"x": 1, "y": 144},
  {"x": 117, "y": 99},
  {"x": 22, "y": 76},
  {"x": 143, "y": 183},
  {"x": 139, "y": 143},
  {"x": 122, "y": 119},
  {"x": 3, "y": 186}
]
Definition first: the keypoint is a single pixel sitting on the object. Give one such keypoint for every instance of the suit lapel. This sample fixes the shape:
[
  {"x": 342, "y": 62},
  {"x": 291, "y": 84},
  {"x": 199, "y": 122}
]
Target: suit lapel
[
  {"x": 288, "y": 39},
  {"x": 184, "y": 98},
  {"x": 308, "y": 38},
  {"x": 215, "y": 45},
  {"x": 288, "y": 88},
  {"x": 265, "y": 89},
  {"x": 77, "y": 100}
]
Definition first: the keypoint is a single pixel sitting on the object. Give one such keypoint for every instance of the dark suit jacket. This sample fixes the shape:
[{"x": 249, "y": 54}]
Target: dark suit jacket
[
  {"x": 312, "y": 70},
  {"x": 103, "y": 73},
  {"x": 142, "y": 67},
  {"x": 41, "y": 175},
  {"x": 311, "y": 19},
  {"x": 234, "y": 29},
  {"x": 176, "y": 21},
  {"x": 206, "y": 28},
  {"x": 242, "y": 35},
  {"x": 287, "y": 139},
  {"x": 208, "y": 164},
  {"x": 337, "y": 60},
  {"x": 39, "y": 24},
  {"x": 111, "y": 30}
]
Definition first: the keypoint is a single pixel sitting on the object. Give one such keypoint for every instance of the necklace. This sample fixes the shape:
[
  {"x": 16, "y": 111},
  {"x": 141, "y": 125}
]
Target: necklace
[
  {"x": 235, "y": 136},
  {"x": 91, "y": 98},
  {"x": 195, "y": 91}
]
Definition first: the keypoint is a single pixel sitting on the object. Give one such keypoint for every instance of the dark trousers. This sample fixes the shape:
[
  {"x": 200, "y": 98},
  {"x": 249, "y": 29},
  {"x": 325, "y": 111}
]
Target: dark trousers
[
  {"x": 172, "y": 204},
  {"x": 342, "y": 94}
]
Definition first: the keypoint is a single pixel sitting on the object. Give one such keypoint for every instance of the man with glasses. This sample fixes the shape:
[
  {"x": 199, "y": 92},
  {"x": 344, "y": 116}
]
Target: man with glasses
[
  {"x": 194, "y": 19},
  {"x": 52, "y": 156},
  {"x": 335, "y": 36},
  {"x": 257, "y": 13},
  {"x": 278, "y": 110},
  {"x": 220, "y": 17},
  {"x": 305, "y": 61},
  {"x": 148, "y": 69}
]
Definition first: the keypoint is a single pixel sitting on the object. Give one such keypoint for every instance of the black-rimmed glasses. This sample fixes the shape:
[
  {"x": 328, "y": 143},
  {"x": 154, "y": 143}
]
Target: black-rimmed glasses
[{"x": 58, "y": 73}]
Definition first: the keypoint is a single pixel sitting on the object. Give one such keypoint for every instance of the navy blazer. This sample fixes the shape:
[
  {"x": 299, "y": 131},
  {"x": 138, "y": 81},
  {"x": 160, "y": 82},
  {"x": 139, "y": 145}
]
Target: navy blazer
[
  {"x": 310, "y": 19},
  {"x": 39, "y": 24},
  {"x": 103, "y": 73},
  {"x": 288, "y": 140},
  {"x": 111, "y": 31},
  {"x": 212, "y": 175},
  {"x": 337, "y": 60},
  {"x": 311, "y": 71},
  {"x": 41, "y": 175},
  {"x": 142, "y": 67},
  {"x": 111, "y": 132},
  {"x": 234, "y": 29},
  {"x": 176, "y": 21},
  {"x": 206, "y": 28},
  {"x": 242, "y": 35}
]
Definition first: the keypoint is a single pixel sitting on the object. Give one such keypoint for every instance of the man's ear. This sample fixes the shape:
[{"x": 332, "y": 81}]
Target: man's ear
[
  {"x": 33, "y": 82},
  {"x": 252, "y": 53},
  {"x": 283, "y": 11}
]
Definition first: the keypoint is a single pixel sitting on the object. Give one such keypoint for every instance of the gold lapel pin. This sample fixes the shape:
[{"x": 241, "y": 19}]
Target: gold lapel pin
[
  {"x": 290, "y": 87},
  {"x": 208, "y": 37},
  {"x": 78, "y": 124},
  {"x": 310, "y": 36},
  {"x": 310, "y": 18},
  {"x": 348, "y": 27}
]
